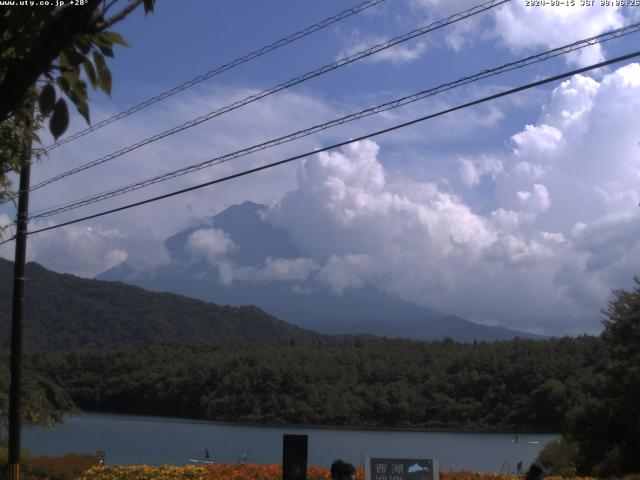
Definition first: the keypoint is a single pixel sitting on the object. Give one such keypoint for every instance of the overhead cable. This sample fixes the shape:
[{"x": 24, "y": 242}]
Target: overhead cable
[
  {"x": 614, "y": 34},
  {"x": 340, "y": 144},
  {"x": 217, "y": 71},
  {"x": 250, "y": 99}
]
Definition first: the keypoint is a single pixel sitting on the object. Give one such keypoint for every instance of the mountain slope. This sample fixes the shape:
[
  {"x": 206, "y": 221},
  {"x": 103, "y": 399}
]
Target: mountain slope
[
  {"x": 307, "y": 303},
  {"x": 63, "y": 311}
]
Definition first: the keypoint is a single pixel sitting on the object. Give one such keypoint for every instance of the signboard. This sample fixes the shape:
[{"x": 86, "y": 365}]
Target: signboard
[
  {"x": 401, "y": 469},
  {"x": 294, "y": 457}
]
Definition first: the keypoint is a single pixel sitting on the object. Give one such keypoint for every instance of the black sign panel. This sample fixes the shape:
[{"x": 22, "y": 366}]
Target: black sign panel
[
  {"x": 294, "y": 457},
  {"x": 401, "y": 469}
]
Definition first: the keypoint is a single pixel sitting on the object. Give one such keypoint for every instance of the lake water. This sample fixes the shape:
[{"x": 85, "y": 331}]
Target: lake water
[{"x": 131, "y": 440}]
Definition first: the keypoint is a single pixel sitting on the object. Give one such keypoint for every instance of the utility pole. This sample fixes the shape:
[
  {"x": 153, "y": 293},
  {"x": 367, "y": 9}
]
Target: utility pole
[{"x": 17, "y": 319}]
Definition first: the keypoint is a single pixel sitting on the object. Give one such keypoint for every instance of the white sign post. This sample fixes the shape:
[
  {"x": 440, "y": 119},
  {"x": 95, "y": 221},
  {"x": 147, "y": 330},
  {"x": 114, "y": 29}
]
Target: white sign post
[{"x": 376, "y": 468}]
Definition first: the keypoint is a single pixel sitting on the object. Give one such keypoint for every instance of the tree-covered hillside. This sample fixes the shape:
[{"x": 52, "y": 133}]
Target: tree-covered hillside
[
  {"x": 521, "y": 384},
  {"x": 308, "y": 303},
  {"x": 63, "y": 312},
  {"x": 602, "y": 436}
]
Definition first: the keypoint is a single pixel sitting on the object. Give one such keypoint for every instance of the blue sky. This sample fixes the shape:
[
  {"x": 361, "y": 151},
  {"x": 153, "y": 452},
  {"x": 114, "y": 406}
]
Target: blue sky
[{"x": 521, "y": 211}]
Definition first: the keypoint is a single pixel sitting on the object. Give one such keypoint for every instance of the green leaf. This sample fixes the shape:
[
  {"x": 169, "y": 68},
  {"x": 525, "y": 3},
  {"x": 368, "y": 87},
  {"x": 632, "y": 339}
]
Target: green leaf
[
  {"x": 47, "y": 99},
  {"x": 114, "y": 37},
  {"x": 80, "y": 89},
  {"x": 65, "y": 64},
  {"x": 104, "y": 75},
  {"x": 91, "y": 73},
  {"x": 83, "y": 42},
  {"x": 68, "y": 70},
  {"x": 71, "y": 76},
  {"x": 77, "y": 93},
  {"x": 101, "y": 39},
  {"x": 75, "y": 58},
  {"x": 64, "y": 85},
  {"x": 106, "y": 51},
  {"x": 83, "y": 109},
  {"x": 60, "y": 119}
]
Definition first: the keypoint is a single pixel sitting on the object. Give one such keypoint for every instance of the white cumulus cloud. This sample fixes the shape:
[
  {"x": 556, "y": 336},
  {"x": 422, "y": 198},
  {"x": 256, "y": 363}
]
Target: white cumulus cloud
[
  {"x": 398, "y": 54},
  {"x": 526, "y": 28},
  {"x": 277, "y": 270},
  {"x": 86, "y": 251},
  {"x": 543, "y": 255},
  {"x": 348, "y": 271},
  {"x": 523, "y": 27},
  {"x": 210, "y": 243}
]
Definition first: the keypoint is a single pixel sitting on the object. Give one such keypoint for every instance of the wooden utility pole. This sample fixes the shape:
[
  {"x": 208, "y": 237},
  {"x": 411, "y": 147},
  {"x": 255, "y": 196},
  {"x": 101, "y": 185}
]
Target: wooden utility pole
[{"x": 17, "y": 320}]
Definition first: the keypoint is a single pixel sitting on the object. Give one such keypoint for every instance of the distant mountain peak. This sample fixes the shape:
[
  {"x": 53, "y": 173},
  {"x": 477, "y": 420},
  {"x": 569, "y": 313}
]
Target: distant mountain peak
[{"x": 365, "y": 309}]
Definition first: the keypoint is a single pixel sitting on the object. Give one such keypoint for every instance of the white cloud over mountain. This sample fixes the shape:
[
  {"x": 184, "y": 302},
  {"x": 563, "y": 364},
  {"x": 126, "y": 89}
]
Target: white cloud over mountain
[
  {"x": 85, "y": 251},
  {"x": 557, "y": 232},
  {"x": 562, "y": 233},
  {"x": 211, "y": 244},
  {"x": 348, "y": 271},
  {"x": 277, "y": 270}
]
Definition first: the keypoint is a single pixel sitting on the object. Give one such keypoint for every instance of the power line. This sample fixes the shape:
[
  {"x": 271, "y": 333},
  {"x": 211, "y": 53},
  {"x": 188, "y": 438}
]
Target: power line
[
  {"x": 340, "y": 144},
  {"x": 212, "y": 73},
  {"x": 307, "y": 76},
  {"x": 217, "y": 71},
  {"x": 607, "y": 36}
]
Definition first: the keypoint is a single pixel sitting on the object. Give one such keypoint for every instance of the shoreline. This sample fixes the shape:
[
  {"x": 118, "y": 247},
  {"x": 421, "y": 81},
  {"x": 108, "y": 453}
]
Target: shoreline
[{"x": 159, "y": 418}]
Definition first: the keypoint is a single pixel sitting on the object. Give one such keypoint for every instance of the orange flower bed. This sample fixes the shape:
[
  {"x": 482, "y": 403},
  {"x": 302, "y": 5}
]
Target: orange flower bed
[
  {"x": 65, "y": 467},
  {"x": 237, "y": 471},
  {"x": 449, "y": 475},
  {"x": 249, "y": 471}
]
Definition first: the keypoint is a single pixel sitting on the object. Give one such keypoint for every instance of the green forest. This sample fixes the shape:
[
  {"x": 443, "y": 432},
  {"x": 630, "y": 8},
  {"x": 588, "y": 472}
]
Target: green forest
[
  {"x": 517, "y": 385},
  {"x": 108, "y": 347},
  {"x": 63, "y": 312}
]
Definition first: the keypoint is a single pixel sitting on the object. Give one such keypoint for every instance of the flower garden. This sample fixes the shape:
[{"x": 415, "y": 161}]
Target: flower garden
[{"x": 82, "y": 467}]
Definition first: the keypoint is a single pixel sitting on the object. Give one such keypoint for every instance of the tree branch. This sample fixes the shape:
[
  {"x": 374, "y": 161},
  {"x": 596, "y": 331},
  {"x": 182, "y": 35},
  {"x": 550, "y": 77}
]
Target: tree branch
[
  {"x": 101, "y": 26},
  {"x": 108, "y": 5}
]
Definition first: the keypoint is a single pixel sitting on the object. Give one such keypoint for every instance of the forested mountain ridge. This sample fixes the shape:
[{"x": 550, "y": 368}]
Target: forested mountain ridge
[
  {"x": 63, "y": 311},
  {"x": 516, "y": 385},
  {"x": 307, "y": 303}
]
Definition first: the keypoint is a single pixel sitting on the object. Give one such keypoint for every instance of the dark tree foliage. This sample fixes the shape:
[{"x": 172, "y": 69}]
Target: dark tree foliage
[
  {"x": 558, "y": 457},
  {"x": 48, "y": 54},
  {"x": 607, "y": 426},
  {"x": 43, "y": 401},
  {"x": 64, "y": 312},
  {"x": 522, "y": 384}
]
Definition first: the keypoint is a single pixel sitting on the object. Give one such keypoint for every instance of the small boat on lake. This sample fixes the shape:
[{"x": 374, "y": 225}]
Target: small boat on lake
[
  {"x": 207, "y": 459},
  {"x": 201, "y": 462}
]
